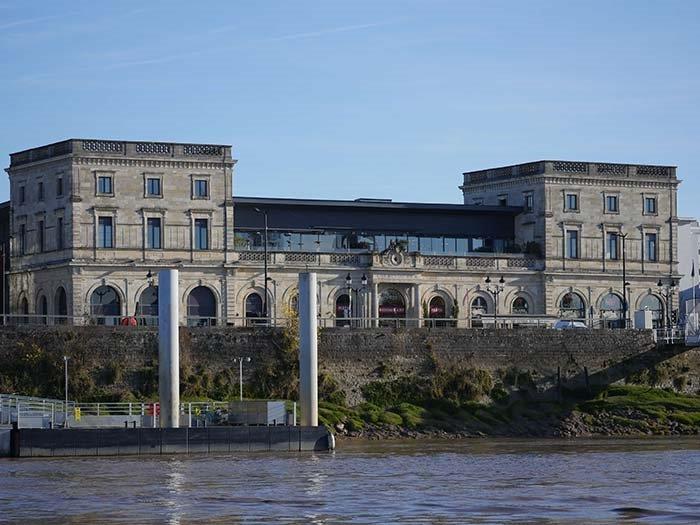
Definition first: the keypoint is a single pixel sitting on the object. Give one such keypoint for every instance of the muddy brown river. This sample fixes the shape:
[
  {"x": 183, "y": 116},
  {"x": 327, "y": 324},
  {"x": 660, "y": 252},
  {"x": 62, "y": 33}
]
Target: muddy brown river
[{"x": 440, "y": 482}]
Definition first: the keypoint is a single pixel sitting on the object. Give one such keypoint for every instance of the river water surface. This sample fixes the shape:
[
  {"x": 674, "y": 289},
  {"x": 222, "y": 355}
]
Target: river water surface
[{"x": 441, "y": 482}]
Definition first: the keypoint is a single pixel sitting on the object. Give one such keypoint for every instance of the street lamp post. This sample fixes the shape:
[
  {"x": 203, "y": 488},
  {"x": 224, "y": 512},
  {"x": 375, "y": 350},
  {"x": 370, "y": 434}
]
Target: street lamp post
[
  {"x": 240, "y": 360},
  {"x": 264, "y": 213},
  {"x": 65, "y": 404},
  {"x": 667, "y": 289},
  {"x": 625, "y": 284},
  {"x": 4, "y": 285},
  {"x": 495, "y": 290},
  {"x": 348, "y": 284}
]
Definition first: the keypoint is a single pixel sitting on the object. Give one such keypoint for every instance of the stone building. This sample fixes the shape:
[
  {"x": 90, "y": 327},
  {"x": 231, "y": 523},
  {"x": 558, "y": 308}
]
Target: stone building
[
  {"x": 591, "y": 221},
  {"x": 93, "y": 220},
  {"x": 90, "y": 218}
]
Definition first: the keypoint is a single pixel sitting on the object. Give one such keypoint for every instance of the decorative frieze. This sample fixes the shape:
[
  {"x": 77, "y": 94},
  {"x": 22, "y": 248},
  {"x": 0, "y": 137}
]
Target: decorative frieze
[
  {"x": 202, "y": 149},
  {"x": 300, "y": 257},
  {"x": 103, "y": 146},
  {"x": 570, "y": 167},
  {"x": 153, "y": 148},
  {"x": 438, "y": 260},
  {"x": 345, "y": 259},
  {"x": 479, "y": 262},
  {"x": 653, "y": 171},
  {"x": 612, "y": 169}
]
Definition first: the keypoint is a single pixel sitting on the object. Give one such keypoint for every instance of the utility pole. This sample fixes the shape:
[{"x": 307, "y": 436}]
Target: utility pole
[
  {"x": 240, "y": 374},
  {"x": 264, "y": 212},
  {"x": 65, "y": 405},
  {"x": 625, "y": 284},
  {"x": 495, "y": 291}
]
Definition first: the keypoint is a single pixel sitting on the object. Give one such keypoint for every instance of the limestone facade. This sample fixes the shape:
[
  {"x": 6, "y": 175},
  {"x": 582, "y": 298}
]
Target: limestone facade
[
  {"x": 91, "y": 217},
  {"x": 574, "y": 211}
]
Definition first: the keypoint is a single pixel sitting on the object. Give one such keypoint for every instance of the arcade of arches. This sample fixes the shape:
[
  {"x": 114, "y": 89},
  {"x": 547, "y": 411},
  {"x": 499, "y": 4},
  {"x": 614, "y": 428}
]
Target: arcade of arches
[{"x": 393, "y": 306}]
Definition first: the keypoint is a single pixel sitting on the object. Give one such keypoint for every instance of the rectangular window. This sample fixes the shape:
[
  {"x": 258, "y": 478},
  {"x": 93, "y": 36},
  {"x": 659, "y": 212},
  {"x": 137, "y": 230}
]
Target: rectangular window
[
  {"x": 572, "y": 201},
  {"x": 22, "y": 195},
  {"x": 651, "y": 247},
  {"x": 650, "y": 205},
  {"x": 40, "y": 235},
  {"x": 572, "y": 244},
  {"x": 59, "y": 186},
  {"x": 154, "y": 233},
  {"x": 528, "y": 201},
  {"x": 613, "y": 252},
  {"x": 22, "y": 239},
  {"x": 201, "y": 234},
  {"x": 153, "y": 187},
  {"x": 105, "y": 235},
  {"x": 201, "y": 188},
  {"x": 59, "y": 233},
  {"x": 40, "y": 191},
  {"x": 611, "y": 204},
  {"x": 104, "y": 185}
]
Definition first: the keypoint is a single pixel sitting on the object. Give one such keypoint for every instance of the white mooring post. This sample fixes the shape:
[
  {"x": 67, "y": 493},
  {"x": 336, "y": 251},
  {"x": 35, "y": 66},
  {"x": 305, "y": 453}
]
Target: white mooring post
[
  {"x": 168, "y": 349},
  {"x": 308, "y": 349}
]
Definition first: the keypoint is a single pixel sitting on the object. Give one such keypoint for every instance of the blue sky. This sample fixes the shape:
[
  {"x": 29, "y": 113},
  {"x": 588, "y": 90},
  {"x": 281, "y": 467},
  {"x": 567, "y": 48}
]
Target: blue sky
[{"x": 391, "y": 99}]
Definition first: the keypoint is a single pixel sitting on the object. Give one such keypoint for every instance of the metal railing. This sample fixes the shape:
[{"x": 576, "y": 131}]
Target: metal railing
[
  {"x": 506, "y": 321},
  {"x": 36, "y": 412}
]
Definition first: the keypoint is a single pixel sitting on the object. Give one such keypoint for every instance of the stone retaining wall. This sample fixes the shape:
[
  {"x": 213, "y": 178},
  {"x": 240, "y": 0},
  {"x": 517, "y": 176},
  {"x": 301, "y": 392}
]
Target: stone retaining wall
[{"x": 355, "y": 357}]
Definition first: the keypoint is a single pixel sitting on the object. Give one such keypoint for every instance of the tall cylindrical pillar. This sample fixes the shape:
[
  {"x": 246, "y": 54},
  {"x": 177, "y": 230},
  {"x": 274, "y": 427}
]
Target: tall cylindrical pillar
[
  {"x": 308, "y": 349},
  {"x": 168, "y": 349}
]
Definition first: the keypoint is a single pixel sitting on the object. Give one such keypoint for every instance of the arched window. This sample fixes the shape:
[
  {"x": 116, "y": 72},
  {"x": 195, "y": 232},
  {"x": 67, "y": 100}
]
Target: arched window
[
  {"x": 572, "y": 306},
  {"x": 147, "y": 307},
  {"x": 479, "y": 308},
  {"x": 655, "y": 306},
  {"x": 520, "y": 306},
  {"x": 254, "y": 308},
  {"x": 438, "y": 311},
  {"x": 60, "y": 306},
  {"x": 342, "y": 310},
  {"x": 42, "y": 309},
  {"x": 611, "y": 310},
  {"x": 201, "y": 307},
  {"x": 391, "y": 306},
  {"x": 24, "y": 310},
  {"x": 105, "y": 306}
]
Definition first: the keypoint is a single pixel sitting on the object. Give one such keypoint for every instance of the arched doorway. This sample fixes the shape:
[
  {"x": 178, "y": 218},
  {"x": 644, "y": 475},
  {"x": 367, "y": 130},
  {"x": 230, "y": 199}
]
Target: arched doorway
[
  {"x": 60, "y": 306},
  {"x": 437, "y": 311},
  {"x": 656, "y": 307},
  {"x": 254, "y": 309},
  {"x": 520, "y": 306},
  {"x": 201, "y": 307},
  {"x": 24, "y": 310},
  {"x": 105, "y": 306},
  {"x": 42, "y": 309},
  {"x": 479, "y": 308},
  {"x": 611, "y": 311},
  {"x": 147, "y": 307},
  {"x": 392, "y": 308},
  {"x": 342, "y": 310},
  {"x": 572, "y": 306}
]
